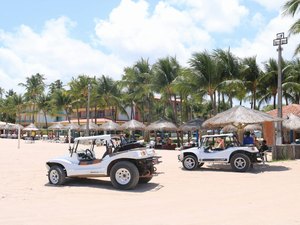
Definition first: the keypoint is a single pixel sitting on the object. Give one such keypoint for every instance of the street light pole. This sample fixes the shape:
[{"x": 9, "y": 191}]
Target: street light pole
[
  {"x": 88, "y": 111},
  {"x": 280, "y": 40}
]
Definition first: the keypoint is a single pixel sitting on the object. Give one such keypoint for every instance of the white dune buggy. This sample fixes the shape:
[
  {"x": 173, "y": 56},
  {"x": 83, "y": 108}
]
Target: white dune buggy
[
  {"x": 125, "y": 168},
  {"x": 241, "y": 158}
]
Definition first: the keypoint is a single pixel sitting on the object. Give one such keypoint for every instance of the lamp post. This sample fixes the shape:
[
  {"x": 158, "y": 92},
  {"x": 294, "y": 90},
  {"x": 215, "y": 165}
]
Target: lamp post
[
  {"x": 88, "y": 111},
  {"x": 280, "y": 40}
]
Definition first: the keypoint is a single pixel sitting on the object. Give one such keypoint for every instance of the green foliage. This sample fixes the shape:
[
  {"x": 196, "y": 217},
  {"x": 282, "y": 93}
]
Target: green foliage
[{"x": 210, "y": 84}]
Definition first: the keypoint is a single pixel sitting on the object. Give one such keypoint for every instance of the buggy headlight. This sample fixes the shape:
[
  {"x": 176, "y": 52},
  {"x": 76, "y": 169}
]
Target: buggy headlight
[{"x": 150, "y": 151}]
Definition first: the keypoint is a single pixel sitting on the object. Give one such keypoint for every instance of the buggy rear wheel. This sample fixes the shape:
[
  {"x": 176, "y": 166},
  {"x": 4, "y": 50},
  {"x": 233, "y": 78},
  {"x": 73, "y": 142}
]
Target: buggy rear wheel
[
  {"x": 124, "y": 175},
  {"x": 240, "y": 162}
]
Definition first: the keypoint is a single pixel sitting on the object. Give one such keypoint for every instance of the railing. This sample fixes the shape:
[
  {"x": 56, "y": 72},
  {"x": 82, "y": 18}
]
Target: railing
[{"x": 286, "y": 152}]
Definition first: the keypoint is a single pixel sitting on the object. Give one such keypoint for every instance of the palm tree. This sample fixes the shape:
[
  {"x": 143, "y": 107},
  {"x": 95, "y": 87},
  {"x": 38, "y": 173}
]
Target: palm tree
[
  {"x": 34, "y": 88},
  {"x": 251, "y": 76},
  {"x": 108, "y": 90},
  {"x": 8, "y": 108},
  {"x": 165, "y": 71},
  {"x": 228, "y": 70},
  {"x": 269, "y": 83},
  {"x": 189, "y": 97},
  {"x": 136, "y": 88},
  {"x": 292, "y": 81},
  {"x": 79, "y": 92},
  {"x": 58, "y": 84},
  {"x": 1, "y": 92},
  {"x": 18, "y": 101},
  {"x": 204, "y": 78},
  {"x": 44, "y": 104},
  {"x": 291, "y": 7},
  {"x": 62, "y": 100}
]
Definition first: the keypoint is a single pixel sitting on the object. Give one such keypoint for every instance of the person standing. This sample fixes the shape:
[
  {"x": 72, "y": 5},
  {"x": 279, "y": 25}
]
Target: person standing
[{"x": 248, "y": 140}]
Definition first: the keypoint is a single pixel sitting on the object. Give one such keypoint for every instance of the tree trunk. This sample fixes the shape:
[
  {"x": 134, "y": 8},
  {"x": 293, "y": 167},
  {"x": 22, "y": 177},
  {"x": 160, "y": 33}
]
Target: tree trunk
[
  {"x": 45, "y": 116},
  {"x": 77, "y": 112},
  {"x": 212, "y": 103},
  {"x": 95, "y": 112},
  {"x": 274, "y": 101}
]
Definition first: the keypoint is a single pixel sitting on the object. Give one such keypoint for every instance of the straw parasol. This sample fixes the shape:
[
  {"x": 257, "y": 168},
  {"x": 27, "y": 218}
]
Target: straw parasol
[
  {"x": 72, "y": 126},
  {"x": 9, "y": 126},
  {"x": 162, "y": 125},
  {"x": 110, "y": 126},
  {"x": 192, "y": 125},
  {"x": 17, "y": 126},
  {"x": 239, "y": 116},
  {"x": 249, "y": 127},
  {"x": 56, "y": 126},
  {"x": 30, "y": 127},
  {"x": 292, "y": 122},
  {"x": 133, "y": 125},
  {"x": 92, "y": 126}
]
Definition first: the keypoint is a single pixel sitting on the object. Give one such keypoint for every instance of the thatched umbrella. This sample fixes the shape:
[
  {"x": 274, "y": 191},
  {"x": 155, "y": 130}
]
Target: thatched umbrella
[
  {"x": 72, "y": 126},
  {"x": 11, "y": 126},
  {"x": 56, "y": 126},
  {"x": 292, "y": 122},
  {"x": 69, "y": 127},
  {"x": 110, "y": 126},
  {"x": 249, "y": 127},
  {"x": 133, "y": 125},
  {"x": 7, "y": 126},
  {"x": 239, "y": 116},
  {"x": 192, "y": 125},
  {"x": 162, "y": 125},
  {"x": 92, "y": 126},
  {"x": 30, "y": 127}
]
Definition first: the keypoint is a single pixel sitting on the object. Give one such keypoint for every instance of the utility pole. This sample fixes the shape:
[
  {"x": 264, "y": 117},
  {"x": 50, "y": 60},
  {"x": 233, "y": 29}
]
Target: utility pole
[{"x": 280, "y": 40}]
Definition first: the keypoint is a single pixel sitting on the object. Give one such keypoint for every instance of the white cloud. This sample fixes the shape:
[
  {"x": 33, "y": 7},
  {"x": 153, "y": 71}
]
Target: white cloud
[
  {"x": 174, "y": 27},
  {"x": 52, "y": 53},
  {"x": 215, "y": 15},
  {"x": 167, "y": 31},
  {"x": 134, "y": 30},
  {"x": 271, "y": 4},
  {"x": 257, "y": 20},
  {"x": 262, "y": 45}
]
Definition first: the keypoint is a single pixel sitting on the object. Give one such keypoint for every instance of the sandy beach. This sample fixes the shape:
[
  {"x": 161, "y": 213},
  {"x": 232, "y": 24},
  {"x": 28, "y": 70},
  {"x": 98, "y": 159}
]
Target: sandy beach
[{"x": 211, "y": 195}]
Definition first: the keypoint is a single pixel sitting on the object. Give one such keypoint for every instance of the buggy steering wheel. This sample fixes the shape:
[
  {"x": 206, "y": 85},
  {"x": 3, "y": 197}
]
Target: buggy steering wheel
[{"x": 89, "y": 154}]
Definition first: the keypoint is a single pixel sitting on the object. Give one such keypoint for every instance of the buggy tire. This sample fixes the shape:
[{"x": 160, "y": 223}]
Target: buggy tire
[
  {"x": 144, "y": 180},
  {"x": 56, "y": 175},
  {"x": 124, "y": 175},
  {"x": 190, "y": 162},
  {"x": 240, "y": 162}
]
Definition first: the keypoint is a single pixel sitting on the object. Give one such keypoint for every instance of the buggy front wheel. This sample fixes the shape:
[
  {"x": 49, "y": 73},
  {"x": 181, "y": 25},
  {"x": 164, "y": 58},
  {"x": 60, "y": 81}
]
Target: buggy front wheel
[
  {"x": 190, "y": 162},
  {"x": 56, "y": 175}
]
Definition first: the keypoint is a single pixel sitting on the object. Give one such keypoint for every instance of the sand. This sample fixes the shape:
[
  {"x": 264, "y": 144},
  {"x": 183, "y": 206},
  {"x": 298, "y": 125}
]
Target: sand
[{"x": 211, "y": 195}]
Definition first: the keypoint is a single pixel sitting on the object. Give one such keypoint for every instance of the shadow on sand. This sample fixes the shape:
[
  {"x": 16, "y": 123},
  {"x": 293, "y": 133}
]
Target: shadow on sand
[
  {"x": 257, "y": 168},
  {"x": 105, "y": 184}
]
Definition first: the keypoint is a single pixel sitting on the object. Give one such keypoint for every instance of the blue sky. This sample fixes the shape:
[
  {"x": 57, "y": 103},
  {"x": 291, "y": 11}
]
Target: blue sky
[{"x": 62, "y": 38}]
